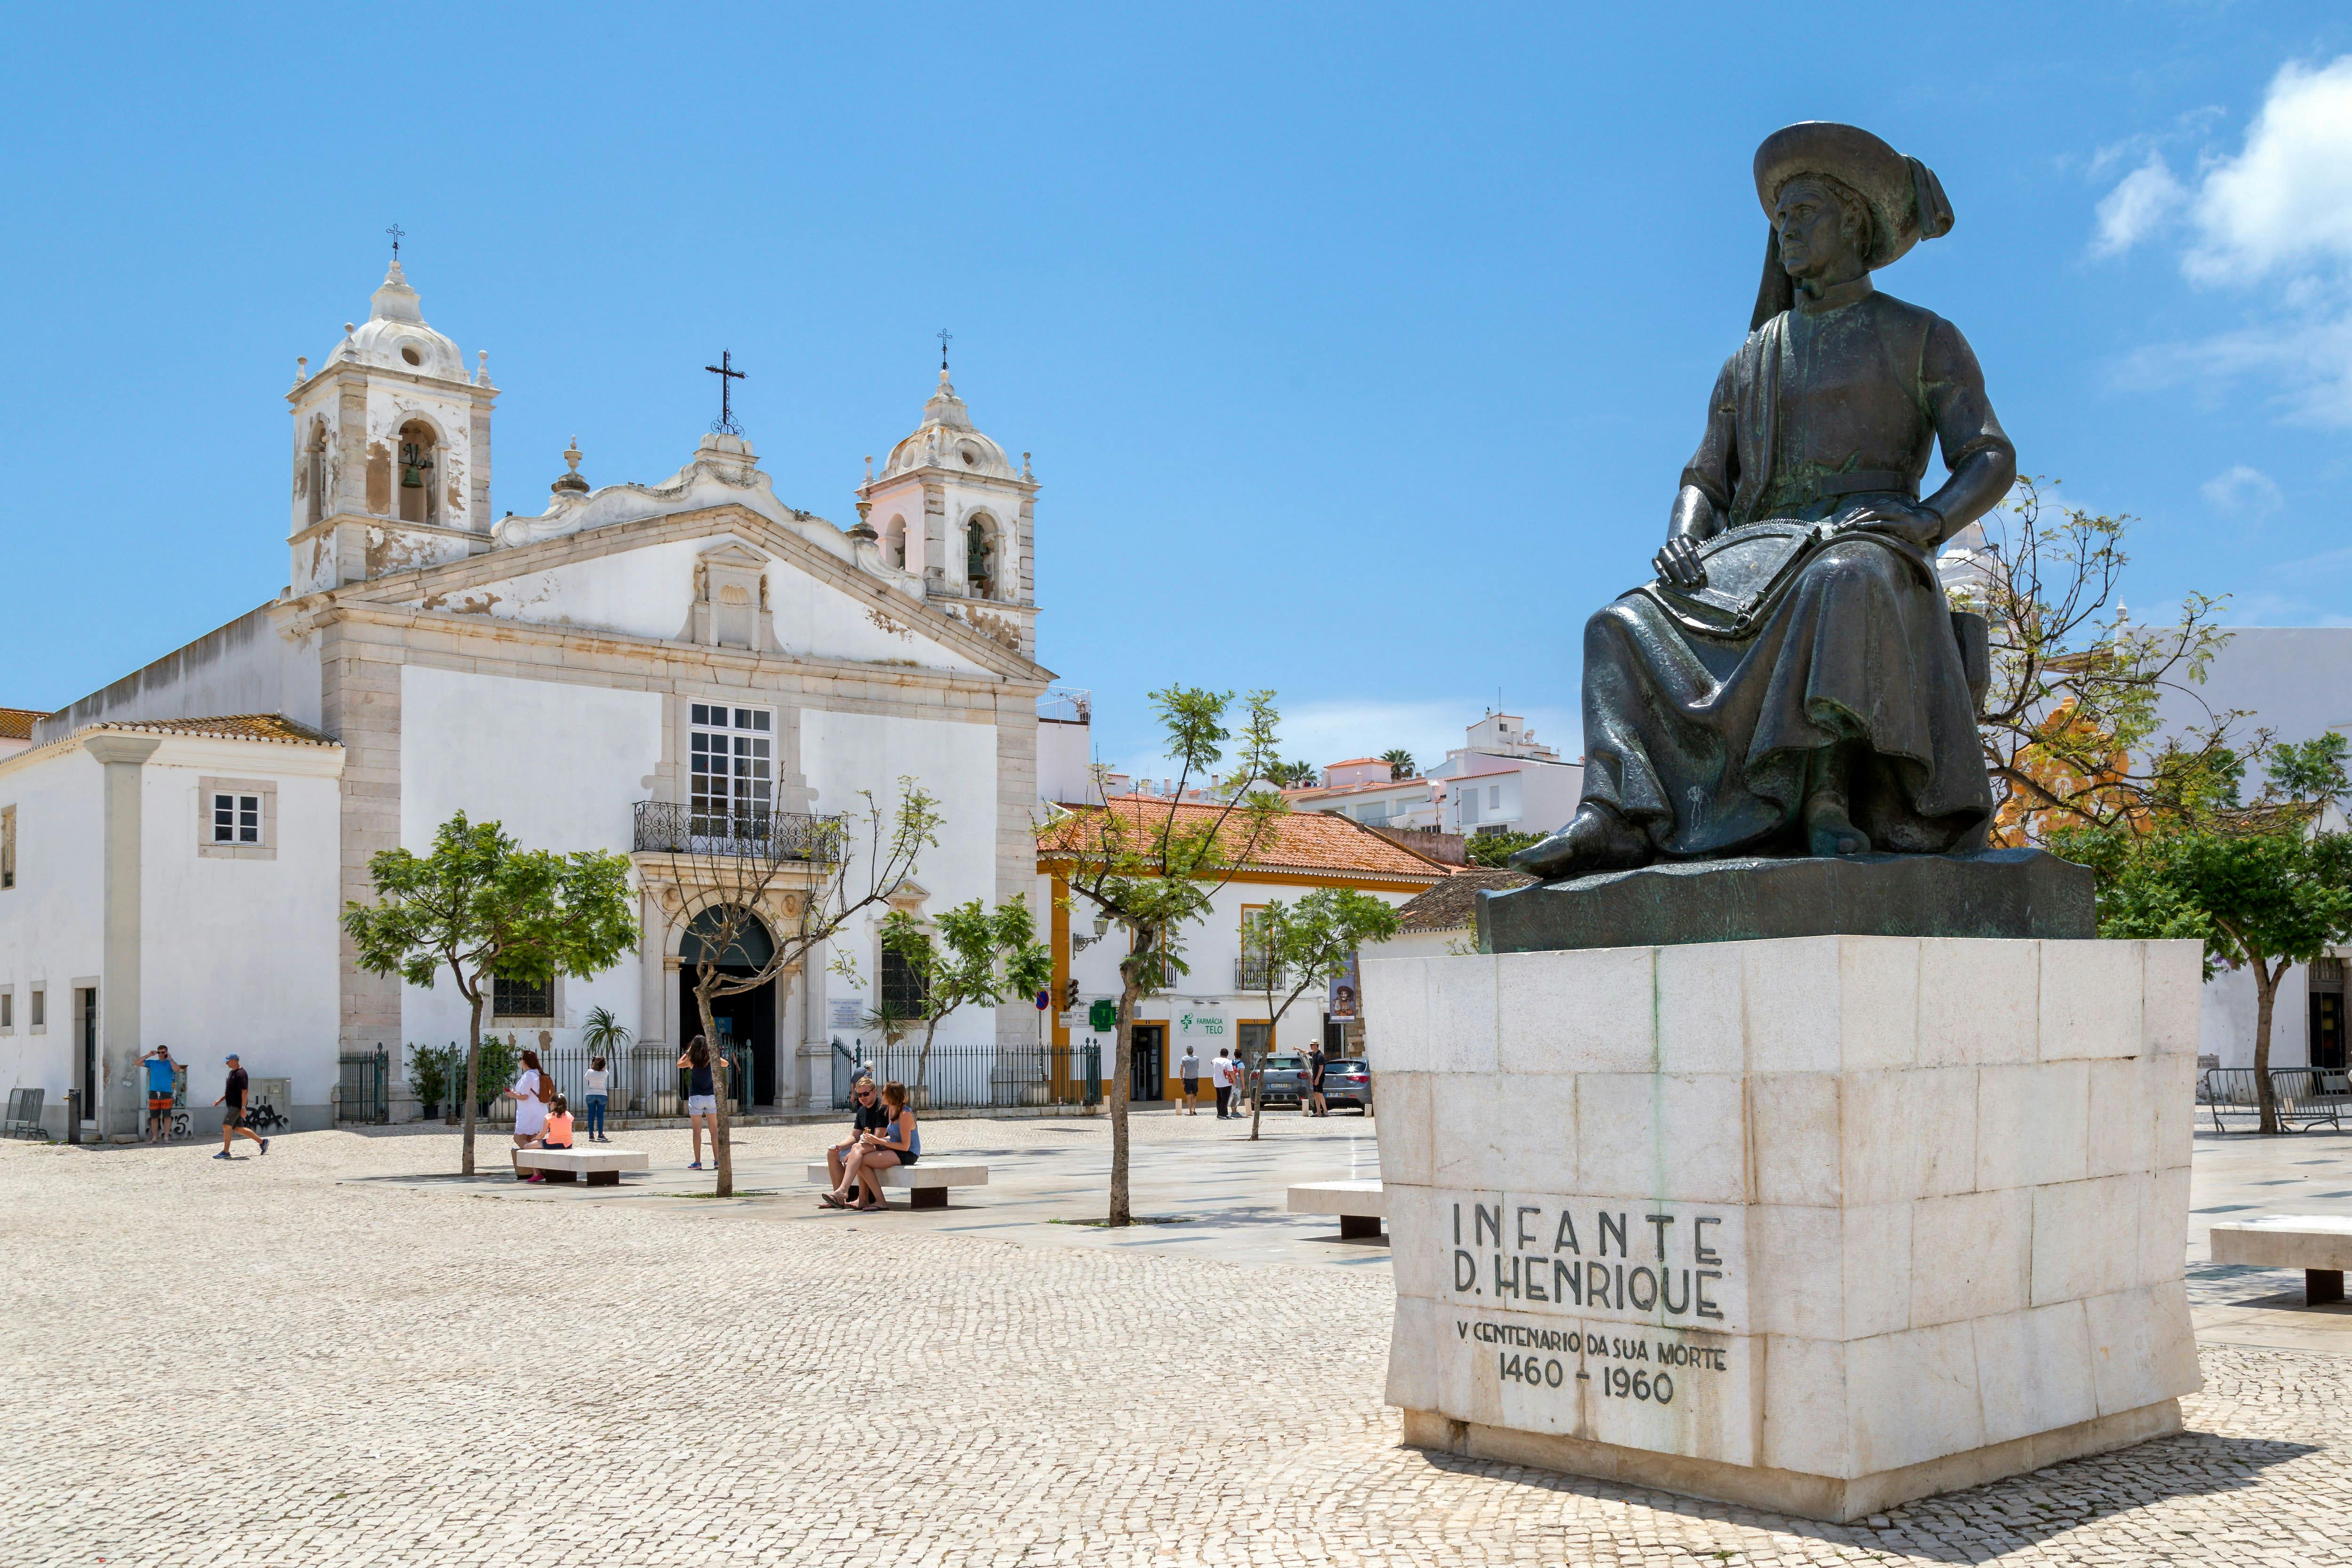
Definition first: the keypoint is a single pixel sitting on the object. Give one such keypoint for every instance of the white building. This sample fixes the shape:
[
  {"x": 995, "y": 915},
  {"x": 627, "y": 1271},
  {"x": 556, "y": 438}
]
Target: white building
[
  {"x": 1221, "y": 1002},
  {"x": 1503, "y": 779},
  {"x": 2296, "y": 682},
  {"x": 1500, "y": 780},
  {"x": 571, "y": 673}
]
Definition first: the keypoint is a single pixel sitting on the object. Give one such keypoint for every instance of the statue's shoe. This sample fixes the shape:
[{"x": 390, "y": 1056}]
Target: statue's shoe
[{"x": 1595, "y": 839}]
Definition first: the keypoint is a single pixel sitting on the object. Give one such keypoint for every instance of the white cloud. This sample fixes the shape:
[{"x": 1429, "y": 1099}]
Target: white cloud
[
  {"x": 2285, "y": 202},
  {"x": 2142, "y": 202},
  {"x": 2244, "y": 493},
  {"x": 2278, "y": 214}
]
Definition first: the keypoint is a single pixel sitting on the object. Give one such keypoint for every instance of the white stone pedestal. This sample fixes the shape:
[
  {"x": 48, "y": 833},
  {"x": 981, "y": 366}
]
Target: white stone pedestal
[{"x": 1820, "y": 1225}]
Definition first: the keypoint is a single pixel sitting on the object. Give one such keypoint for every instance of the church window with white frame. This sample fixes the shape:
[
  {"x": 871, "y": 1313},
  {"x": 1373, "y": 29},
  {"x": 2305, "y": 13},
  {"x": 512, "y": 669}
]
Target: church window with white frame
[{"x": 732, "y": 759}]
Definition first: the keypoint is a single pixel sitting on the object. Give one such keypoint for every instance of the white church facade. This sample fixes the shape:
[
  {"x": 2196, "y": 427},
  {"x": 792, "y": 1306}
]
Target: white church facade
[{"x": 175, "y": 847}]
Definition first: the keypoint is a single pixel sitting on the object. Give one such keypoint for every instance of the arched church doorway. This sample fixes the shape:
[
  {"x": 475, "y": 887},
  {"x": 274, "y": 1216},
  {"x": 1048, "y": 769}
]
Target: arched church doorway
[{"x": 745, "y": 1018}]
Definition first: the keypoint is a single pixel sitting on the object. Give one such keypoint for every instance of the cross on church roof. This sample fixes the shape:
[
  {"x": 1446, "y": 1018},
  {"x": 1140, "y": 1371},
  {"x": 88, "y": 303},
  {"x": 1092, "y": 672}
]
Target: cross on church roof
[
  {"x": 397, "y": 234},
  {"x": 943, "y": 336},
  {"x": 725, "y": 371}
]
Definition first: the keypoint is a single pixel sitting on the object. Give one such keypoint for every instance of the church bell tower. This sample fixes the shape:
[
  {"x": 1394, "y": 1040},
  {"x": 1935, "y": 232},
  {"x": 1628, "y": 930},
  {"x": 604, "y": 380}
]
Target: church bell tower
[{"x": 392, "y": 448}]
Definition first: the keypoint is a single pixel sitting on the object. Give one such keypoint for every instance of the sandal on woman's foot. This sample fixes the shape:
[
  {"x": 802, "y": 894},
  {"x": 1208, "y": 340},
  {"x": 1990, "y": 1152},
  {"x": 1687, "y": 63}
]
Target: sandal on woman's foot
[
  {"x": 869, "y": 1207},
  {"x": 829, "y": 1200}
]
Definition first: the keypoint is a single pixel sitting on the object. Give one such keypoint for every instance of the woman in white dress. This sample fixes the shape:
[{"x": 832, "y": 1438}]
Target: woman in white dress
[{"x": 532, "y": 1092}]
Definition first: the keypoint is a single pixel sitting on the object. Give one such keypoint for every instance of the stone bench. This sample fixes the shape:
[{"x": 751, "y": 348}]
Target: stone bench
[
  {"x": 927, "y": 1182},
  {"x": 597, "y": 1168},
  {"x": 2318, "y": 1244},
  {"x": 1361, "y": 1205}
]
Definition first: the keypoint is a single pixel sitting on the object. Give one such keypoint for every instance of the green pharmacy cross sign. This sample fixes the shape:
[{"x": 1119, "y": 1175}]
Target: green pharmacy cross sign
[{"x": 1103, "y": 1015}]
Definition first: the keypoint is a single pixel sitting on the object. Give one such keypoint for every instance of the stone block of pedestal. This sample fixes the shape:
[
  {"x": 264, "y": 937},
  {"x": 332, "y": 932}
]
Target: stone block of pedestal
[{"x": 1819, "y": 1224}]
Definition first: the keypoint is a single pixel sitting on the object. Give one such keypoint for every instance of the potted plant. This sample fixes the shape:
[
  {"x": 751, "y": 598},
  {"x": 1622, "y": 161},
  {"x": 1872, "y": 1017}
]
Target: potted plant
[{"x": 428, "y": 1074}]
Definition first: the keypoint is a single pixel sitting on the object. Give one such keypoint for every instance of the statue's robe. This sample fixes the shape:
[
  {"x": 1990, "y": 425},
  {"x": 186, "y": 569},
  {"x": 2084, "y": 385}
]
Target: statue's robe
[{"x": 1709, "y": 746}]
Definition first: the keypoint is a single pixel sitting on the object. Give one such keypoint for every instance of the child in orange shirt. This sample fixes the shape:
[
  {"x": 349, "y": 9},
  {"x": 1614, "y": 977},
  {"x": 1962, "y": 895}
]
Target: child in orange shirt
[{"x": 558, "y": 1135}]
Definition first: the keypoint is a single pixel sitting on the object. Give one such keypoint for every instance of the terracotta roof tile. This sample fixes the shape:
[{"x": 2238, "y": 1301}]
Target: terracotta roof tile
[
  {"x": 16, "y": 722},
  {"x": 1302, "y": 841},
  {"x": 1452, "y": 904},
  {"x": 274, "y": 727}
]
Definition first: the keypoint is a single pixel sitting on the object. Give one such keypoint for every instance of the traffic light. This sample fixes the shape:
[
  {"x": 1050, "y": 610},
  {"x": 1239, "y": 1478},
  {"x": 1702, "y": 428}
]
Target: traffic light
[{"x": 1069, "y": 994}]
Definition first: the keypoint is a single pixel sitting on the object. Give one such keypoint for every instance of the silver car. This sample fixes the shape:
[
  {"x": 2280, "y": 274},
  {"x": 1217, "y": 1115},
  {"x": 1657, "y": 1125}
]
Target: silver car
[{"x": 1280, "y": 1079}]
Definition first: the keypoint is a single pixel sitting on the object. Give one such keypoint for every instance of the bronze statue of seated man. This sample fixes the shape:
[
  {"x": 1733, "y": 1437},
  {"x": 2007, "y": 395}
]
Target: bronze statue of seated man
[{"x": 1791, "y": 682}]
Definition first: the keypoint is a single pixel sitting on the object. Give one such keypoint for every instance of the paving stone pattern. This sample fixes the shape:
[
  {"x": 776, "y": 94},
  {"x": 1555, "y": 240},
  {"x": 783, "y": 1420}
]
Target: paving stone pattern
[{"x": 279, "y": 1361}]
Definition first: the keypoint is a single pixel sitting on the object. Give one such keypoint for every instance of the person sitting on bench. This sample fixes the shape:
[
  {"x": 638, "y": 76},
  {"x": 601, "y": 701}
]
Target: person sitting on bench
[
  {"x": 898, "y": 1144},
  {"x": 557, "y": 1135},
  {"x": 865, "y": 1115}
]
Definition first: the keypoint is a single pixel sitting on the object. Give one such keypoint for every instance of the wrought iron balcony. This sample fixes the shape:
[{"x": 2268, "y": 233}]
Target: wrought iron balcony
[
  {"x": 1255, "y": 974},
  {"x": 666, "y": 827}
]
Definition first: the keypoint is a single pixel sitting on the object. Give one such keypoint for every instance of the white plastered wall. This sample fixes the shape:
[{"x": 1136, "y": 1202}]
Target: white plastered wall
[
  {"x": 841, "y": 753},
  {"x": 649, "y": 592},
  {"x": 562, "y": 766},
  {"x": 52, "y": 924},
  {"x": 241, "y": 954}
]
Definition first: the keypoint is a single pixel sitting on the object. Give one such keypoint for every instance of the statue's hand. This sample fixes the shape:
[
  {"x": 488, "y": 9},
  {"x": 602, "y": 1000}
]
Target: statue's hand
[
  {"x": 1913, "y": 525},
  {"x": 1678, "y": 563}
]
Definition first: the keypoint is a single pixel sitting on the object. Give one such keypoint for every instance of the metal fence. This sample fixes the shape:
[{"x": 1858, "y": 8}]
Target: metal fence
[
  {"x": 668, "y": 827},
  {"x": 363, "y": 1086},
  {"x": 2305, "y": 1096},
  {"x": 975, "y": 1077},
  {"x": 647, "y": 1082}
]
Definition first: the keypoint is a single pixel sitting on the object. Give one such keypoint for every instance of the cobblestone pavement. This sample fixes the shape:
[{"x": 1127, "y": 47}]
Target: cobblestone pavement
[{"x": 272, "y": 1363}]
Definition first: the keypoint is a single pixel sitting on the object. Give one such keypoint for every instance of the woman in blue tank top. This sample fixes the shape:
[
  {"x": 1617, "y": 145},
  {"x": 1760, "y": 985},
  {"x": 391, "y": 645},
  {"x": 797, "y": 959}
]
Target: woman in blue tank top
[{"x": 898, "y": 1144}]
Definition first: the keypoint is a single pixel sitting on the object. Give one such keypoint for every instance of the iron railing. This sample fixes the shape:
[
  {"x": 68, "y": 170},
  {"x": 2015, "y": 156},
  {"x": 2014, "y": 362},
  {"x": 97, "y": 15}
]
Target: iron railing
[
  {"x": 975, "y": 1077},
  {"x": 362, "y": 1091},
  {"x": 647, "y": 1082},
  {"x": 2305, "y": 1096},
  {"x": 1256, "y": 974},
  {"x": 666, "y": 827}
]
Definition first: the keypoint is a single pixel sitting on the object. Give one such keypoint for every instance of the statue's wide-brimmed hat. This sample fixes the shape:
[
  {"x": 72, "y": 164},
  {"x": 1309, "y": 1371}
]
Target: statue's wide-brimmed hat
[{"x": 1907, "y": 201}]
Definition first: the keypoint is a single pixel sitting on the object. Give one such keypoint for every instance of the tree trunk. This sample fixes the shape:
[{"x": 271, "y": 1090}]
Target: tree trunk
[
  {"x": 1122, "y": 1068},
  {"x": 473, "y": 1082},
  {"x": 722, "y": 1154},
  {"x": 2265, "y": 997},
  {"x": 923, "y": 1057}
]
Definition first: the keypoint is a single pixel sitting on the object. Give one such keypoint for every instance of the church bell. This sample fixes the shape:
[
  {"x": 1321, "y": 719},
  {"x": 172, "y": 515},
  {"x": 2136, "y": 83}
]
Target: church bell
[{"x": 413, "y": 464}]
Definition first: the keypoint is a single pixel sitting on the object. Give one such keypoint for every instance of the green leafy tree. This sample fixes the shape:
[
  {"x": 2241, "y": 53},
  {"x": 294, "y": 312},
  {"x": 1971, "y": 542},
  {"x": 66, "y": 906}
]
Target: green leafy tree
[
  {"x": 1304, "y": 946},
  {"x": 480, "y": 907},
  {"x": 799, "y": 879},
  {"x": 1153, "y": 863},
  {"x": 1400, "y": 761},
  {"x": 978, "y": 957},
  {"x": 2310, "y": 770},
  {"x": 602, "y": 1033},
  {"x": 2259, "y": 900},
  {"x": 1497, "y": 849},
  {"x": 2071, "y": 727},
  {"x": 1293, "y": 775}
]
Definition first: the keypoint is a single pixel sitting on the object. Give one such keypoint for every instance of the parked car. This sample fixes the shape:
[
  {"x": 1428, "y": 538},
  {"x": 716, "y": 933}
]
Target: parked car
[
  {"x": 1279, "y": 1079},
  {"x": 1348, "y": 1081}
]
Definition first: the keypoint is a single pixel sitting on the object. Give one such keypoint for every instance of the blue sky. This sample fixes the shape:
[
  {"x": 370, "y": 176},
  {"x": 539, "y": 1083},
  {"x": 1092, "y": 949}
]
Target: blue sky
[{"x": 1359, "y": 349}]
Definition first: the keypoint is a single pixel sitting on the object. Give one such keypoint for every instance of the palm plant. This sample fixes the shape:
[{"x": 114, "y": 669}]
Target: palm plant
[{"x": 602, "y": 1033}]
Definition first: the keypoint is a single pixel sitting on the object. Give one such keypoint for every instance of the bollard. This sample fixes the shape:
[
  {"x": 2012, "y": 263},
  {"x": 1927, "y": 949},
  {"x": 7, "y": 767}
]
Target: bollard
[{"x": 73, "y": 1115}]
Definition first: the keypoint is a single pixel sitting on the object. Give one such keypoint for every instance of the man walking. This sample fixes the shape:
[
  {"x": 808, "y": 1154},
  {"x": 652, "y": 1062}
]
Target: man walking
[
  {"x": 1310, "y": 1094},
  {"x": 1188, "y": 1072},
  {"x": 1220, "y": 1074},
  {"x": 232, "y": 1101},
  {"x": 161, "y": 1071}
]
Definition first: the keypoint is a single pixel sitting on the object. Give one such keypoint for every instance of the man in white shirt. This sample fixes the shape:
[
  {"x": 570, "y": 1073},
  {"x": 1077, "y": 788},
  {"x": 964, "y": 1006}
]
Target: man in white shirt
[{"x": 1220, "y": 1074}]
